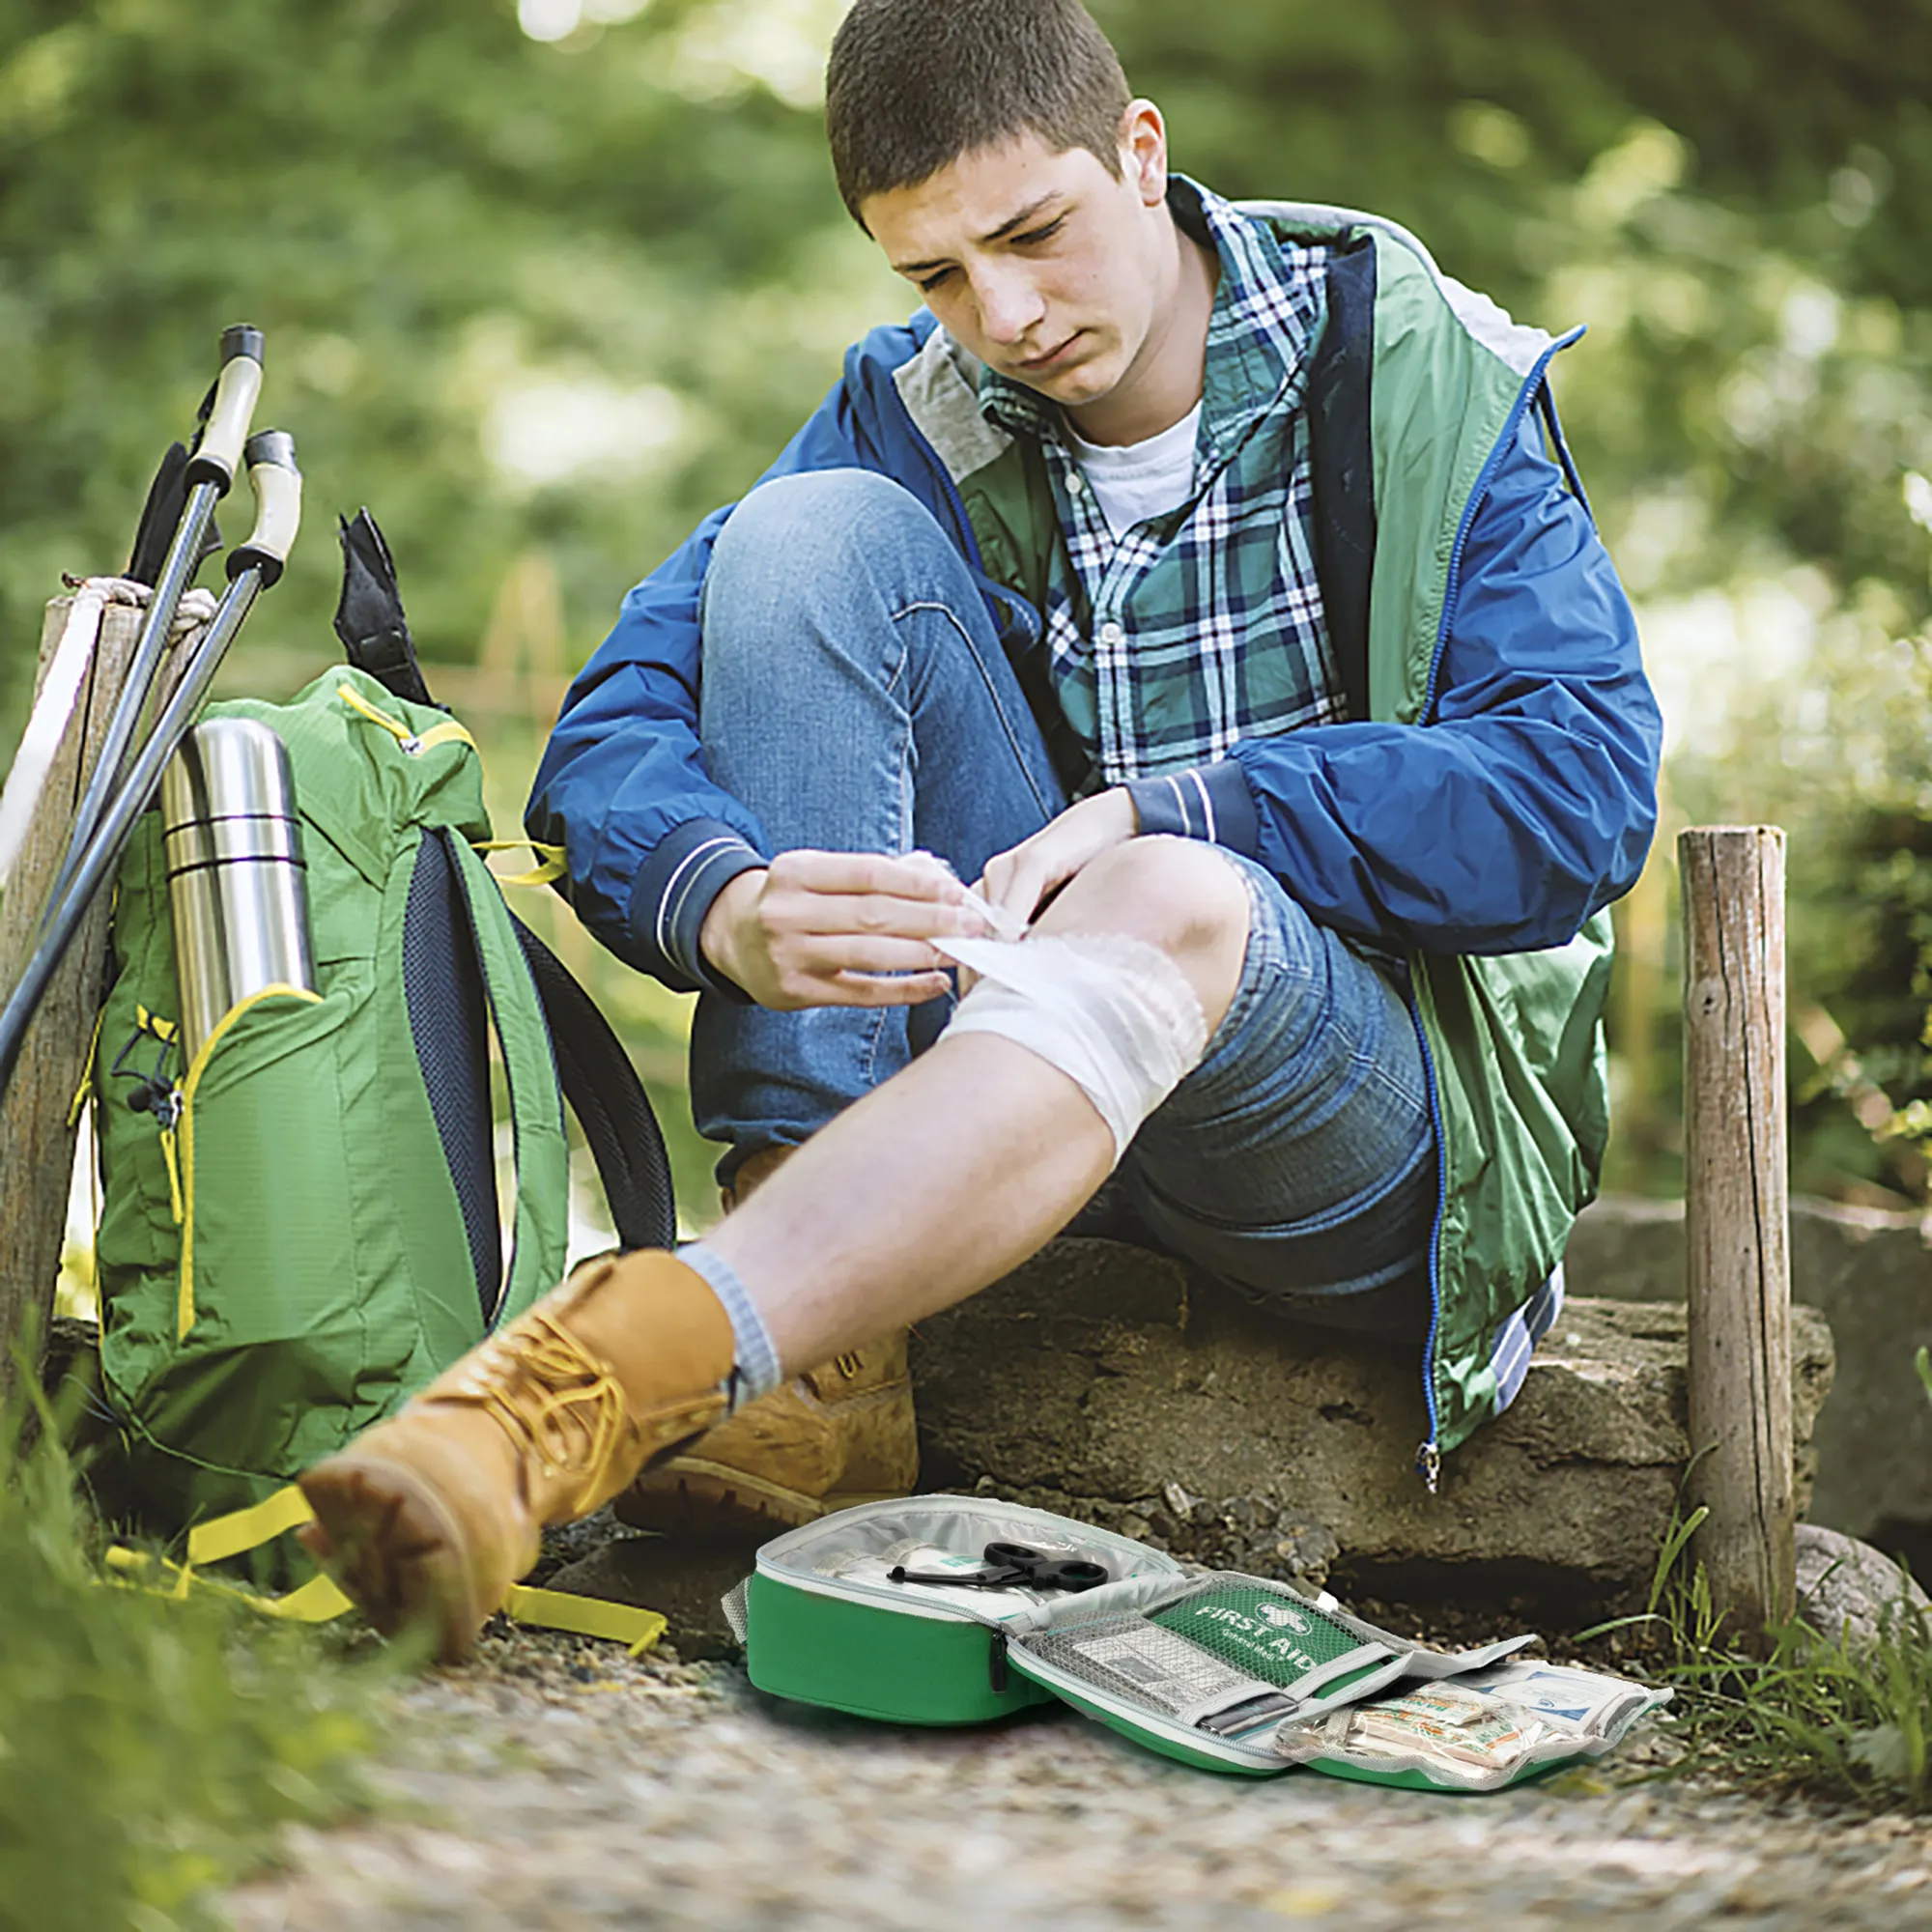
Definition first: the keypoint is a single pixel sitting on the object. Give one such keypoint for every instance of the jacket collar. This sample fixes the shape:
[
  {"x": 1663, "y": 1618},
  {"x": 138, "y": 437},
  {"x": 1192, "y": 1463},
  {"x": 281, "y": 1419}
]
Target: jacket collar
[{"x": 1259, "y": 330}]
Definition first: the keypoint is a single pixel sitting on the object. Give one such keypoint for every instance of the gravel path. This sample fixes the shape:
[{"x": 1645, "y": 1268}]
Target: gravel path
[{"x": 558, "y": 1786}]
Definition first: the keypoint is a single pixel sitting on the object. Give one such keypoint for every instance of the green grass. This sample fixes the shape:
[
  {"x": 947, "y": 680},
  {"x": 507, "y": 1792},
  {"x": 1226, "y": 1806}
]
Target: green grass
[
  {"x": 149, "y": 1748},
  {"x": 1812, "y": 1713}
]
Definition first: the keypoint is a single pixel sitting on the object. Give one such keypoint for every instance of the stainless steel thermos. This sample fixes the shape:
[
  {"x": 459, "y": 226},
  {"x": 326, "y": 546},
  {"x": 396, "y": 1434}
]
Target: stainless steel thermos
[{"x": 236, "y": 883}]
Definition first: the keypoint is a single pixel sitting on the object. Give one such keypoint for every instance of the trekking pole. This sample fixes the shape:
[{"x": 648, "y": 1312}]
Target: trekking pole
[
  {"x": 68, "y": 670},
  {"x": 252, "y": 568},
  {"x": 210, "y": 473}
]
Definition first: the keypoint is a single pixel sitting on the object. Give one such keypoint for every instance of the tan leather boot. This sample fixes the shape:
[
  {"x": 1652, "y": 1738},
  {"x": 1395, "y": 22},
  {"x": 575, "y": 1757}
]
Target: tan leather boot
[
  {"x": 836, "y": 1435},
  {"x": 429, "y": 1518}
]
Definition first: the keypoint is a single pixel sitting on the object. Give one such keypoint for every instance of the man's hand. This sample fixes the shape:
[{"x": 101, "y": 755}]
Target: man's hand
[
  {"x": 838, "y": 930},
  {"x": 1024, "y": 878}
]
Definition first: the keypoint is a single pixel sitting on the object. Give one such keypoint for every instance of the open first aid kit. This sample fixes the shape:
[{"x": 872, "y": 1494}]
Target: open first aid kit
[{"x": 959, "y": 1609}]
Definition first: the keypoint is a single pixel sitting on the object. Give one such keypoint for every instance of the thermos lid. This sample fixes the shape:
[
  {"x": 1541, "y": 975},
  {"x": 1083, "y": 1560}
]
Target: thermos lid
[
  {"x": 232, "y": 768},
  {"x": 237, "y": 886}
]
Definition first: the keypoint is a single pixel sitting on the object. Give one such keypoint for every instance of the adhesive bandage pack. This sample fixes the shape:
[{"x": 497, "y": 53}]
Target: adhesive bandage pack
[{"x": 959, "y": 1609}]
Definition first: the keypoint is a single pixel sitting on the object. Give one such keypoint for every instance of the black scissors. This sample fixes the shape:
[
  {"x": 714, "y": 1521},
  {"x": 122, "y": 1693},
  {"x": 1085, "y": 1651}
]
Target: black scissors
[{"x": 1010, "y": 1564}]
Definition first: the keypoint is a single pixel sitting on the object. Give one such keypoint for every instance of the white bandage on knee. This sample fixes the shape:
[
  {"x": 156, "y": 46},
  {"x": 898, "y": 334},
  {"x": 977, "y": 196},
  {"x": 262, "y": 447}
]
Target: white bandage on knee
[{"x": 1115, "y": 1014}]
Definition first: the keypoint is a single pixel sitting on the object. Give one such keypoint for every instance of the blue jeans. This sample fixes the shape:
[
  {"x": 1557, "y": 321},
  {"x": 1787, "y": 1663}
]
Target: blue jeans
[{"x": 856, "y": 698}]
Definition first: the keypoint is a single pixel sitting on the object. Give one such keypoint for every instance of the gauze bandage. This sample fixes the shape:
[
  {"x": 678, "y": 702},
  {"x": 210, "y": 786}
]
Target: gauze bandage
[{"x": 1115, "y": 1014}]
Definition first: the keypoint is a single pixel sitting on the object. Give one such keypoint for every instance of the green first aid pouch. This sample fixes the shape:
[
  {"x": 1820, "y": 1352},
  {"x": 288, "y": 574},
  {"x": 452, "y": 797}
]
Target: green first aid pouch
[{"x": 886, "y": 1611}]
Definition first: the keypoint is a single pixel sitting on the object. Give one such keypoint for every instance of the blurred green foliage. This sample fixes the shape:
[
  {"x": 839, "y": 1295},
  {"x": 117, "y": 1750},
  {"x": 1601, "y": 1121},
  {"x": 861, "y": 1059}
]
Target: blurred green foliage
[
  {"x": 543, "y": 303},
  {"x": 448, "y": 232},
  {"x": 149, "y": 1751}
]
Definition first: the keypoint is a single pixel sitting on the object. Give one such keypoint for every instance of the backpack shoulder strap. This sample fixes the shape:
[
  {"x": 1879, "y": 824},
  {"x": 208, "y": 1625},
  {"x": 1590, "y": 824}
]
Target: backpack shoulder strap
[{"x": 609, "y": 1101}]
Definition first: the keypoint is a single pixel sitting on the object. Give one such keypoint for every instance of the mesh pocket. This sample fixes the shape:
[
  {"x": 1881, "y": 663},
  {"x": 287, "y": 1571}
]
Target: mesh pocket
[
  {"x": 449, "y": 1023},
  {"x": 1133, "y": 1659}
]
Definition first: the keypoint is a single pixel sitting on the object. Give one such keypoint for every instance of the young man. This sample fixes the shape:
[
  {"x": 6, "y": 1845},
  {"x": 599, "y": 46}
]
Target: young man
[{"x": 1195, "y": 580}]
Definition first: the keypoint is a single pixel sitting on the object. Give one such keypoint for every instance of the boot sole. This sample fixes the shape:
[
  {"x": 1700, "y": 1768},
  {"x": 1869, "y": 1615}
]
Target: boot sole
[
  {"x": 395, "y": 1549},
  {"x": 701, "y": 1495}
]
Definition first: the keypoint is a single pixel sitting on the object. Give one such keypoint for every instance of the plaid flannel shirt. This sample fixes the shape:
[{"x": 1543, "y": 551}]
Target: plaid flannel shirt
[{"x": 1202, "y": 627}]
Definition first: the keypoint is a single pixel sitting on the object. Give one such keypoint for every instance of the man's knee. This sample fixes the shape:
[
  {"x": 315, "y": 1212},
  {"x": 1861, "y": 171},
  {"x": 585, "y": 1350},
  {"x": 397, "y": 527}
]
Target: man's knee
[
  {"x": 1179, "y": 894},
  {"x": 793, "y": 534}
]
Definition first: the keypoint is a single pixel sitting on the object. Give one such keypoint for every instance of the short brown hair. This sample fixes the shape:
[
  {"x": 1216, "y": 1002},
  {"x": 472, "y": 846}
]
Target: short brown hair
[{"x": 914, "y": 84}]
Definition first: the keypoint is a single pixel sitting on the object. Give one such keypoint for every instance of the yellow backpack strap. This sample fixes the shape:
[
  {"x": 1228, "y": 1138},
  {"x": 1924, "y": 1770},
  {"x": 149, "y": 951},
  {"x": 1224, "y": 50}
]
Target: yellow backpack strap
[
  {"x": 315, "y": 1602},
  {"x": 584, "y": 1616},
  {"x": 244, "y": 1529},
  {"x": 320, "y": 1599},
  {"x": 552, "y": 863}
]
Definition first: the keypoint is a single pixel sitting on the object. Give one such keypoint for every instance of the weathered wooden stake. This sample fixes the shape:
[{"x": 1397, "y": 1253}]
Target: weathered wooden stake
[
  {"x": 35, "y": 1135},
  {"x": 1737, "y": 1219}
]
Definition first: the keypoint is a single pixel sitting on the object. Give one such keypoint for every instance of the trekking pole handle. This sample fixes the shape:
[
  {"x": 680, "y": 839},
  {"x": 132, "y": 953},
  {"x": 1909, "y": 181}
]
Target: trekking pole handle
[
  {"x": 277, "y": 482},
  {"x": 232, "y": 410}
]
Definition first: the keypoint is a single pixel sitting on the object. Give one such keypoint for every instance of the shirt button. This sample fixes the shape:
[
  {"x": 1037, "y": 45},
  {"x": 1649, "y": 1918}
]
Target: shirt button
[
  {"x": 1111, "y": 634},
  {"x": 1076, "y": 483}
]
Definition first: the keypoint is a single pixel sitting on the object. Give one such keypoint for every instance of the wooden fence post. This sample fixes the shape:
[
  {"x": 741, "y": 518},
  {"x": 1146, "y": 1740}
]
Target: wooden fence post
[
  {"x": 1737, "y": 1219},
  {"x": 37, "y": 1138}
]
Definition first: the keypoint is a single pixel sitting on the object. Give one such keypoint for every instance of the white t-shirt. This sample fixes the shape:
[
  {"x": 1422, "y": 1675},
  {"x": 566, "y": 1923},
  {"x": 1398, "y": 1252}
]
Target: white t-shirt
[{"x": 1133, "y": 481}]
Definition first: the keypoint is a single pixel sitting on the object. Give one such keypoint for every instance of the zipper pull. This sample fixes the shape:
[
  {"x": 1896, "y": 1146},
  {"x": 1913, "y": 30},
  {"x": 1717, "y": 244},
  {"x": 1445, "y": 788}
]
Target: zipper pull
[
  {"x": 410, "y": 744},
  {"x": 996, "y": 1663},
  {"x": 1429, "y": 1466},
  {"x": 166, "y": 1109}
]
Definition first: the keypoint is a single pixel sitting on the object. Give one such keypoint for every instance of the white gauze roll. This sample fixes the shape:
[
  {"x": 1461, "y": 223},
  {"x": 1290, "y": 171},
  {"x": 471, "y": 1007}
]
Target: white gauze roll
[{"x": 1115, "y": 1014}]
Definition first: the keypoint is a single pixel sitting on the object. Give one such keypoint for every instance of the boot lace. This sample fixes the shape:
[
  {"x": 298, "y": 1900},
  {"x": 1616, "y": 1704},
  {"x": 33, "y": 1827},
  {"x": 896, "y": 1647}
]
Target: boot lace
[{"x": 554, "y": 1395}]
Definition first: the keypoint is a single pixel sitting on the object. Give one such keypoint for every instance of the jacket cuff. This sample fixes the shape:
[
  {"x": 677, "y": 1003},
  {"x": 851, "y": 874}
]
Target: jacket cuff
[
  {"x": 1211, "y": 802},
  {"x": 675, "y": 885}
]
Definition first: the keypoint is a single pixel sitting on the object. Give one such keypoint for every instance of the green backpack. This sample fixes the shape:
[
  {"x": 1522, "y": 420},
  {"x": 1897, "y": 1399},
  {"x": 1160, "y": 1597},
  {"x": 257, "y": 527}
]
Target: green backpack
[{"x": 301, "y": 1228}]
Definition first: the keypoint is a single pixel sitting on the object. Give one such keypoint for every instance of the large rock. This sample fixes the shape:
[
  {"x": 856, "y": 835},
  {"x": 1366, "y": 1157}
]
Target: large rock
[
  {"x": 1870, "y": 1275},
  {"x": 1849, "y": 1592},
  {"x": 1106, "y": 1382}
]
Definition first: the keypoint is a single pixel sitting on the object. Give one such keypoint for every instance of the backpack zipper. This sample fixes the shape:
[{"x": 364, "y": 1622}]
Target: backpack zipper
[{"x": 413, "y": 744}]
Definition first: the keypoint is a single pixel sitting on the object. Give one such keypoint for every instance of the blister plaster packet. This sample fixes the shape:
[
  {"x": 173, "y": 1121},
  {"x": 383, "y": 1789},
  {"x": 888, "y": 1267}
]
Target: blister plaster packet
[{"x": 1475, "y": 1733}]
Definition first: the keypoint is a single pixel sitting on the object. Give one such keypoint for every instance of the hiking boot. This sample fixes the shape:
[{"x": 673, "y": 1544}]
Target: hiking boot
[
  {"x": 836, "y": 1435},
  {"x": 429, "y": 1518}
]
